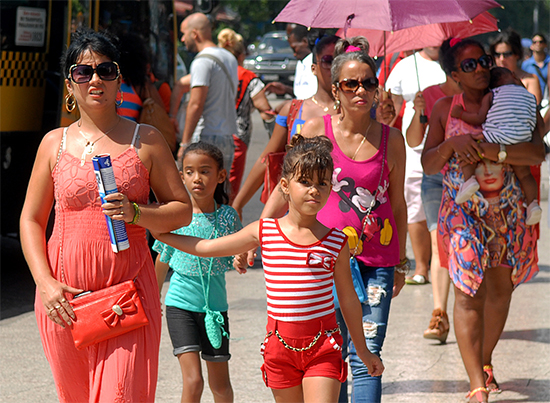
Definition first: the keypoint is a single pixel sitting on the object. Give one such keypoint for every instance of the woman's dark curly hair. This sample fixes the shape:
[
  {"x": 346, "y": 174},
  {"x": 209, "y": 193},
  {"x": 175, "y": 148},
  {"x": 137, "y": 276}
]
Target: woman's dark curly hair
[
  {"x": 319, "y": 42},
  {"x": 134, "y": 59},
  {"x": 85, "y": 39},
  {"x": 448, "y": 55}
]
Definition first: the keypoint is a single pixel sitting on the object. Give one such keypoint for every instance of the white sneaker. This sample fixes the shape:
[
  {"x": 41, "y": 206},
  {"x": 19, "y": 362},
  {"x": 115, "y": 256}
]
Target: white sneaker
[
  {"x": 467, "y": 190},
  {"x": 534, "y": 213}
]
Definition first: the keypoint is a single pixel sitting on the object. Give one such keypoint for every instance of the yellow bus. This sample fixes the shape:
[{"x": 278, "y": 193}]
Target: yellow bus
[{"x": 34, "y": 35}]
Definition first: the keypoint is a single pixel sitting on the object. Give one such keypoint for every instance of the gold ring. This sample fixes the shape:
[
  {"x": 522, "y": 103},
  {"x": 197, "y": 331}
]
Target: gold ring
[
  {"x": 63, "y": 300},
  {"x": 57, "y": 306},
  {"x": 51, "y": 310}
]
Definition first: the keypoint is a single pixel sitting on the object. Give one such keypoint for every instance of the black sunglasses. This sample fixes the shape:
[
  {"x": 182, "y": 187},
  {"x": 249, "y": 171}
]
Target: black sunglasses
[
  {"x": 326, "y": 61},
  {"x": 83, "y": 73},
  {"x": 352, "y": 85},
  {"x": 469, "y": 65},
  {"x": 506, "y": 55}
]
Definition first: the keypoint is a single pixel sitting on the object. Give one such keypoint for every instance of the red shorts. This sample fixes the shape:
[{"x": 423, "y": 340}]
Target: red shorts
[{"x": 285, "y": 368}]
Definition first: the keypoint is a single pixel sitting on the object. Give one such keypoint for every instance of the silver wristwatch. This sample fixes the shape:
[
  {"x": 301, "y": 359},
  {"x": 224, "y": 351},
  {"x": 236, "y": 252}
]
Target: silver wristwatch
[{"x": 502, "y": 154}]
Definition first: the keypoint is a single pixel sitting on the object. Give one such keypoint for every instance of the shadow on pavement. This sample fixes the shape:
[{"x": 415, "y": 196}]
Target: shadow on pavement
[
  {"x": 530, "y": 390},
  {"x": 17, "y": 284},
  {"x": 539, "y": 335}
]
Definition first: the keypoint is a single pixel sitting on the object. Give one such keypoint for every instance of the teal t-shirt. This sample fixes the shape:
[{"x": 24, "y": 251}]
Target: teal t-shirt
[{"x": 186, "y": 290}]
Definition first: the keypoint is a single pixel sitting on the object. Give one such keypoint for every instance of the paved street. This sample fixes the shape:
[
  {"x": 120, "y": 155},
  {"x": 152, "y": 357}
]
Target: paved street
[{"x": 417, "y": 370}]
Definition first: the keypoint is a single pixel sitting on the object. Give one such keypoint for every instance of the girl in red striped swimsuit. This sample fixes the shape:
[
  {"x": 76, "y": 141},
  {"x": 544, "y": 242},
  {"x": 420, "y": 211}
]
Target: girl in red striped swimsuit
[{"x": 302, "y": 259}]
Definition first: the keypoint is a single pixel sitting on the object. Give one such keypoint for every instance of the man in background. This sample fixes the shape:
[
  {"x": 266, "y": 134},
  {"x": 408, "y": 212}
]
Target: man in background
[
  {"x": 211, "y": 115},
  {"x": 305, "y": 82}
]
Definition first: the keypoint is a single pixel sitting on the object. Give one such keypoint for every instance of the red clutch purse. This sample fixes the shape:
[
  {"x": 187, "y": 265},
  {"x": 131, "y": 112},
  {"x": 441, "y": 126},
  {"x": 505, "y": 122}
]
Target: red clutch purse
[{"x": 106, "y": 313}]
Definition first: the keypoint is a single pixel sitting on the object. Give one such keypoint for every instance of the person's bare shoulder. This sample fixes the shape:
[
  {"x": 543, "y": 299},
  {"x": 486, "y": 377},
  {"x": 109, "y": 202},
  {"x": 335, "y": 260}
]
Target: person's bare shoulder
[{"x": 314, "y": 127}]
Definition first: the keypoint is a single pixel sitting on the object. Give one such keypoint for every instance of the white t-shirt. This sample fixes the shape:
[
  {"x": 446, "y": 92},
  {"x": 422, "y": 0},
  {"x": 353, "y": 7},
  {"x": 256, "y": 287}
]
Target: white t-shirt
[
  {"x": 218, "y": 117},
  {"x": 305, "y": 82},
  {"x": 403, "y": 81}
]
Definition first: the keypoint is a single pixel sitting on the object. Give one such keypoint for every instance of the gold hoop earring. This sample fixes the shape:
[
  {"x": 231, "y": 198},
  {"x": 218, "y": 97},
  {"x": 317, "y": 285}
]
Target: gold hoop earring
[
  {"x": 70, "y": 102},
  {"x": 117, "y": 102},
  {"x": 336, "y": 105}
]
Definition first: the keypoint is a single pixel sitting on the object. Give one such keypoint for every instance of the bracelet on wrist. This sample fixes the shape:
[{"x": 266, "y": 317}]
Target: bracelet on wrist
[
  {"x": 137, "y": 214},
  {"x": 404, "y": 266}
]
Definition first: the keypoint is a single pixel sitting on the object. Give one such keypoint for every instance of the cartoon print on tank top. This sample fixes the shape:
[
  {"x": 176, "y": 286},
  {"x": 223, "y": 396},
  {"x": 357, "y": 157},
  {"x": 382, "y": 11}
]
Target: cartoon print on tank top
[{"x": 359, "y": 200}]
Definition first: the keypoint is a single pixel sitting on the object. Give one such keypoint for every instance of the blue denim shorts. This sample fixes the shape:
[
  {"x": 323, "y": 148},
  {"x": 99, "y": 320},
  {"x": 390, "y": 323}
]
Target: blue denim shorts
[{"x": 431, "y": 193}]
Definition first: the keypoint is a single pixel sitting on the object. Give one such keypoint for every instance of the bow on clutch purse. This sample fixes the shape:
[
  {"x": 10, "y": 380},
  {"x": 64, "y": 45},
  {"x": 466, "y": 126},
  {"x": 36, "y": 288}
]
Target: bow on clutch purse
[
  {"x": 124, "y": 306},
  {"x": 107, "y": 313}
]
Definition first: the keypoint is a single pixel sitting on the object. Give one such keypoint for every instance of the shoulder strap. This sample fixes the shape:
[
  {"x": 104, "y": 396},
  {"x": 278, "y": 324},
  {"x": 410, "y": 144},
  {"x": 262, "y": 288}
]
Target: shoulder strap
[
  {"x": 62, "y": 145},
  {"x": 295, "y": 107},
  {"x": 539, "y": 73},
  {"x": 219, "y": 63},
  {"x": 136, "y": 136},
  {"x": 393, "y": 60}
]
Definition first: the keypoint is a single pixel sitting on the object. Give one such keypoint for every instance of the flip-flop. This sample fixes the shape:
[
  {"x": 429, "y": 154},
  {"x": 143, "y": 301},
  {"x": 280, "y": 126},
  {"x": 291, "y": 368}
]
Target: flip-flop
[{"x": 417, "y": 279}]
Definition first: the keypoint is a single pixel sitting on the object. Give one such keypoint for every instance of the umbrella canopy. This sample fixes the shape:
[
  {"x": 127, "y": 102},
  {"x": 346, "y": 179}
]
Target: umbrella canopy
[
  {"x": 384, "y": 15},
  {"x": 422, "y": 36}
]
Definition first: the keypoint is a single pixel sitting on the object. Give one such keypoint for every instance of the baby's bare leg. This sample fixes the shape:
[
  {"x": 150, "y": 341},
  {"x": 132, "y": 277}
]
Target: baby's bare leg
[{"x": 527, "y": 181}]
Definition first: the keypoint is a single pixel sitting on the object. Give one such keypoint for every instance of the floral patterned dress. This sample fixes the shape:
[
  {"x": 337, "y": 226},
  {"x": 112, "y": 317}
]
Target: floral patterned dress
[{"x": 489, "y": 230}]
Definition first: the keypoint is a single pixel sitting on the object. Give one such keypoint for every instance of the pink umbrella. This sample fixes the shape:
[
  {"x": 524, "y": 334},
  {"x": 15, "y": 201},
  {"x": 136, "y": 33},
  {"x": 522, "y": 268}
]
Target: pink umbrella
[
  {"x": 382, "y": 42},
  {"x": 384, "y": 15}
]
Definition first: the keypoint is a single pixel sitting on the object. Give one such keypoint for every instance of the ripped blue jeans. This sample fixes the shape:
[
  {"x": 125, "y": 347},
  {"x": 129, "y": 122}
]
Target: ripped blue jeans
[{"x": 379, "y": 284}]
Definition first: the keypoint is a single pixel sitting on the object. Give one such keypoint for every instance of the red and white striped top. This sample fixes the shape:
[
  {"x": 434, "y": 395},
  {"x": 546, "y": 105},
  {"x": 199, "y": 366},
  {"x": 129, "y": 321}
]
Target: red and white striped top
[{"x": 298, "y": 278}]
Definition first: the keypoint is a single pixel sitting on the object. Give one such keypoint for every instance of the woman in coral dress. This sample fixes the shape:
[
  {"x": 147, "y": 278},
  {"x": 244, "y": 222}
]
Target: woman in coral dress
[
  {"x": 78, "y": 256},
  {"x": 485, "y": 243}
]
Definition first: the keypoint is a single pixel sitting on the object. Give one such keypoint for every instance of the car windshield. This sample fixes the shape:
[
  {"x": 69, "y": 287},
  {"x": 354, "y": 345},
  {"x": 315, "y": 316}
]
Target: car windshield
[{"x": 274, "y": 45}]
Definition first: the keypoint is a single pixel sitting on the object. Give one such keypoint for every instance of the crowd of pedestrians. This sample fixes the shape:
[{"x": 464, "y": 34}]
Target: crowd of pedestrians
[{"x": 349, "y": 187}]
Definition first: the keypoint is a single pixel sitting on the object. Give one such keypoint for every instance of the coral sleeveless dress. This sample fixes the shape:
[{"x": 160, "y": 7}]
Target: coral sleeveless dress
[
  {"x": 489, "y": 230},
  {"x": 124, "y": 368}
]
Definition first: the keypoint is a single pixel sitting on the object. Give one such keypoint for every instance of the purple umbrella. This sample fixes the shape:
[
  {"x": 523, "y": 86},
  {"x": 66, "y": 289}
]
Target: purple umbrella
[{"x": 384, "y": 15}]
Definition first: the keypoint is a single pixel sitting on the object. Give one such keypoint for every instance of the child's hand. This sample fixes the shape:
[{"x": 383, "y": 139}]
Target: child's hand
[
  {"x": 373, "y": 363},
  {"x": 244, "y": 260},
  {"x": 457, "y": 111}
]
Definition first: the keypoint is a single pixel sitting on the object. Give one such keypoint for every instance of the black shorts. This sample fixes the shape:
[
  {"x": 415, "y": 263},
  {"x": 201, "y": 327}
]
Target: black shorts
[{"x": 188, "y": 333}]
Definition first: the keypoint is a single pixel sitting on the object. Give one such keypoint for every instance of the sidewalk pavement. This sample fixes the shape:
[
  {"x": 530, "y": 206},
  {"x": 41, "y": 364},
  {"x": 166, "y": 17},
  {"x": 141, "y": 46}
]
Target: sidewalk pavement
[{"x": 417, "y": 370}]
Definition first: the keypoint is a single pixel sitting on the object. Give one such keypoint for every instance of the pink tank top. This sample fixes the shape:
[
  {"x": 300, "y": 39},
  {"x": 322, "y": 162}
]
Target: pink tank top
[{"x": 353, "y": 189}]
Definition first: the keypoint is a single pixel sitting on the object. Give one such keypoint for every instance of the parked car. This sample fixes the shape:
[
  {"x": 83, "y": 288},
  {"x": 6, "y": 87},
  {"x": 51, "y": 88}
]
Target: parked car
[{"x": 273, "y": 58}]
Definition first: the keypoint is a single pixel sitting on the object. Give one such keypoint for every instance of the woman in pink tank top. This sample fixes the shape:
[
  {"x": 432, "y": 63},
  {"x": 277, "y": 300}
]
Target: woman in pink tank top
[
  {"x": 78, "y": 256},
  {"x": 367, "y": 199},
  {"x": 484, "y": 242}
]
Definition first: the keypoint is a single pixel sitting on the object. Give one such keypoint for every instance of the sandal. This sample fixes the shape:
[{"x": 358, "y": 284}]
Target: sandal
[
  {"x": 439, "y": 326},
  {"x": 490, "y": 382},
  {"x": 478, "y": 395},
  {"x": 417, "y": 279}
]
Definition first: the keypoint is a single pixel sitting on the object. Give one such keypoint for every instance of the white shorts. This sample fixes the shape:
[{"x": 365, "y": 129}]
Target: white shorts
[{"x": 415, "y": 211}]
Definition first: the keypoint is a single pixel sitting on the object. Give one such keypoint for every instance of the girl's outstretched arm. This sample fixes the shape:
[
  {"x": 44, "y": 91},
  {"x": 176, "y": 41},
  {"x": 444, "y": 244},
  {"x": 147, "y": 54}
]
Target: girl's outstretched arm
[
  {"x": 161, "y": 269},
  {"x": 239, "y": 242},
  {"x": 352, "y": 312}
]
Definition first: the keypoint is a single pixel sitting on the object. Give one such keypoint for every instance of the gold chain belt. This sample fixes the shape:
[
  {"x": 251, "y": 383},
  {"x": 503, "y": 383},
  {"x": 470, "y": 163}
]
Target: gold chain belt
[{"x": 299, "y": 350}]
